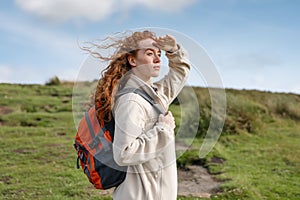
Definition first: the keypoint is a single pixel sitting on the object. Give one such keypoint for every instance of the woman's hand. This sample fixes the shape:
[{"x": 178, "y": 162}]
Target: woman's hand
[
  {"x": 167, "y": 119},
  {"x": 166, "y": 43}
]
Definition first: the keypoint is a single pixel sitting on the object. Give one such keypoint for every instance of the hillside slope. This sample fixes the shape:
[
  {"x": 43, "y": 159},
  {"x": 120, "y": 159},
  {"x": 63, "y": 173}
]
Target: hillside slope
[{"x": 257, "y": 156}]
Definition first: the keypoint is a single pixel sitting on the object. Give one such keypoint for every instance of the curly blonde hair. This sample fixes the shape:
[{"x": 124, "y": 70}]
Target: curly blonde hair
[{"x": 117, "y": 68}]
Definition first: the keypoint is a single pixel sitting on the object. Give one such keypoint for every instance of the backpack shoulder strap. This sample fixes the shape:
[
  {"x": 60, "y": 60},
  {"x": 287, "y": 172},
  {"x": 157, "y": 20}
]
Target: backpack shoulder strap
[
  {"x": 143, "y": 94},
  {"x": 150, "y": 100}
]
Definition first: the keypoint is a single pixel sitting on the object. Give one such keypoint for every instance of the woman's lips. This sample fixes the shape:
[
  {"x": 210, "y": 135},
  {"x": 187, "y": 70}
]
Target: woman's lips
[{"x": 156, "y": 67}]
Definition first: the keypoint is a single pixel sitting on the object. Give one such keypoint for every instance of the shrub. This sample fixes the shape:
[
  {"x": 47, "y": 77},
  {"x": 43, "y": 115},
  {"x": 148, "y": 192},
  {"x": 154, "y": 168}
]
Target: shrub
[{"x": 53, "y": 81}]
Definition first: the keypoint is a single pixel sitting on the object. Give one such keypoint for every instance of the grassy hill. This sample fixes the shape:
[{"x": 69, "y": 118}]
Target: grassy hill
[{"x": 257, "y": 156}]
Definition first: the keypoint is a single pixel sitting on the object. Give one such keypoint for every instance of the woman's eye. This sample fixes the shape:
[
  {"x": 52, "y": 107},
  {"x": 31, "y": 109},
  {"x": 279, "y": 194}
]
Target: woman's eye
[{"x": 149, "y": 53}]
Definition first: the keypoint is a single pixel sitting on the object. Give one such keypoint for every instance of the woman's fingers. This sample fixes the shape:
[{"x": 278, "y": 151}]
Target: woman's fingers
[
  {"x": 167, "y": 119},
  {"x": 166, "y": 43}
]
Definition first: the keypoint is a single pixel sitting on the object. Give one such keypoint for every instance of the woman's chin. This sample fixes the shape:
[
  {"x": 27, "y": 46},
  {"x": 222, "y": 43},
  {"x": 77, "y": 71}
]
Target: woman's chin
[{"x": 154, "y": 75}]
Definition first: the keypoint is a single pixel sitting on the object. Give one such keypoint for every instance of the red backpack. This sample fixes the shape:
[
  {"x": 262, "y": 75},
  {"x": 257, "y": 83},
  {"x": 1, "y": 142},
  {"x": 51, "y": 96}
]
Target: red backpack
[{"x": 93, "y": 144}]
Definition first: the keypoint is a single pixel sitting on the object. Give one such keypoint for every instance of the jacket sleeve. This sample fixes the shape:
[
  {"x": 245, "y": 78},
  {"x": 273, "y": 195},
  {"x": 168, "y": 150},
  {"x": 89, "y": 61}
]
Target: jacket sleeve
[
  {"x": 132, "y": 145},
  {"x": 179, "y": 68}
]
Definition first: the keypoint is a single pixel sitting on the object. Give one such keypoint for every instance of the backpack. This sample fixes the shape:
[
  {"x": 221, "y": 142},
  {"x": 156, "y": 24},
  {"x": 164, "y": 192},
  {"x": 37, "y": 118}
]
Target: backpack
[{"x": 93, "y": 144}]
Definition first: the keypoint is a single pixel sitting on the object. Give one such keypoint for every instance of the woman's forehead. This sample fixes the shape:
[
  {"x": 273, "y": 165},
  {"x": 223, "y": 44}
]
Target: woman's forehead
[{"x": 147, "y": 44}]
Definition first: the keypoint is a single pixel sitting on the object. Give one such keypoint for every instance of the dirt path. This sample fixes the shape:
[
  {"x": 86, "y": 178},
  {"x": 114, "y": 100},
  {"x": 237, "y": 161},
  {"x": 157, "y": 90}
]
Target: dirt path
[
  {"x": 196, "y": 181},
  {"x": 193, "y": 181}
]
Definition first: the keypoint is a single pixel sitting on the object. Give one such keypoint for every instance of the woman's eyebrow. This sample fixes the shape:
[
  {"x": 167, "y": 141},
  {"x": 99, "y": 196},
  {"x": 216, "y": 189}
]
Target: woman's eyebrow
[{"x": 151, "y": 49}]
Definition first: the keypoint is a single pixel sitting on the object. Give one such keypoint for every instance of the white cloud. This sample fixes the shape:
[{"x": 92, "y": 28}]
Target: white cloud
[
  {"x": 59, "y": 46},
  {"x": 295, "y": 88},
  {"x": 94, "y": 10},
  {"x": 32, "y": 74},
  {"x": 17, "y": 74},
  {"x": 5, "y": 73},
  {"x": 69, "y": 74},
  {"x": 40, "y": 36},
  {"x": 63, "y": 10},
  {"x": 161, "y": 5}
]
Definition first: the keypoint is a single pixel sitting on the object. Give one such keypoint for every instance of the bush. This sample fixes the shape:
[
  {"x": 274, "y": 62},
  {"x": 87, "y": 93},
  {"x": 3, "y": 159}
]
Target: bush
[{"x": 53, "y": 81}]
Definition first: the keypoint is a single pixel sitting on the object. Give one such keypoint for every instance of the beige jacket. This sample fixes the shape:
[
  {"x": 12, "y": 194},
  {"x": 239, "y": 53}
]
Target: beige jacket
[{"x": 141, "y": 143}]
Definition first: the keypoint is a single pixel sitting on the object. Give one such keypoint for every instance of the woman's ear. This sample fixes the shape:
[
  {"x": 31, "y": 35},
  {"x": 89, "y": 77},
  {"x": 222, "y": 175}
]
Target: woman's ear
[{"x": 131, "y": 60}]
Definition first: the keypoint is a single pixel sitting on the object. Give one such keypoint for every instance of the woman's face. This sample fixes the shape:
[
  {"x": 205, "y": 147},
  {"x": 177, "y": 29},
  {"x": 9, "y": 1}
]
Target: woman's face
[{"x": 146, "y": 63}]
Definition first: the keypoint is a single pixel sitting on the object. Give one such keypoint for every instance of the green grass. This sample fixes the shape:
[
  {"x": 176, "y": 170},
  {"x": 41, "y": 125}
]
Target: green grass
[
  {"x": 262, "y": 166},
  {"x": 37, "y": 156},
  {"x": 258, "y": 150}
]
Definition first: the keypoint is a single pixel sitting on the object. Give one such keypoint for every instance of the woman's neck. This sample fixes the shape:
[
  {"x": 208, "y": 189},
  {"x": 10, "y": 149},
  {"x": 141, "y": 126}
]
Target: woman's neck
[{"x": 143, "y": 77}]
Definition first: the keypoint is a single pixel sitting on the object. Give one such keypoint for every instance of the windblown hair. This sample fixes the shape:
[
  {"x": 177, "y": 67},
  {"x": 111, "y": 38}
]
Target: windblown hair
[{"x": 117, "y": 68}]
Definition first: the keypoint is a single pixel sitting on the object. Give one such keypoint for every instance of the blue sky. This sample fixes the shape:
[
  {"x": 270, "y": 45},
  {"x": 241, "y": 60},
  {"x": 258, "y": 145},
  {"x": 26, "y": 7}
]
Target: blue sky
[{"x": 254, "y": 43}]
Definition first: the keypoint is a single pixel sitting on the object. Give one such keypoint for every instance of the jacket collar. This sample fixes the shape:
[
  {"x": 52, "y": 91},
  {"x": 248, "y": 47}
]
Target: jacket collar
[{"x": 132, "y": 81}]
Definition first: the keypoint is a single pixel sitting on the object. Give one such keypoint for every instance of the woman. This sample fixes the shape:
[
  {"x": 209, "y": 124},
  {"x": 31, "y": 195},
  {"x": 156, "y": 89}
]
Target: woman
[{"x": 144, "y": 139}]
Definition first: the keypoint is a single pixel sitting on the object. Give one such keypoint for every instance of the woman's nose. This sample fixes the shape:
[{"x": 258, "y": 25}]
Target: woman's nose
[{"x": 157, "y": 59}]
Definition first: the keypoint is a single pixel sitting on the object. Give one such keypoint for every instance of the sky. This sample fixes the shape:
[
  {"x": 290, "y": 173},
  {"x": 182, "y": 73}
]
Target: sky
[{"x": 254, "y": 44}]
